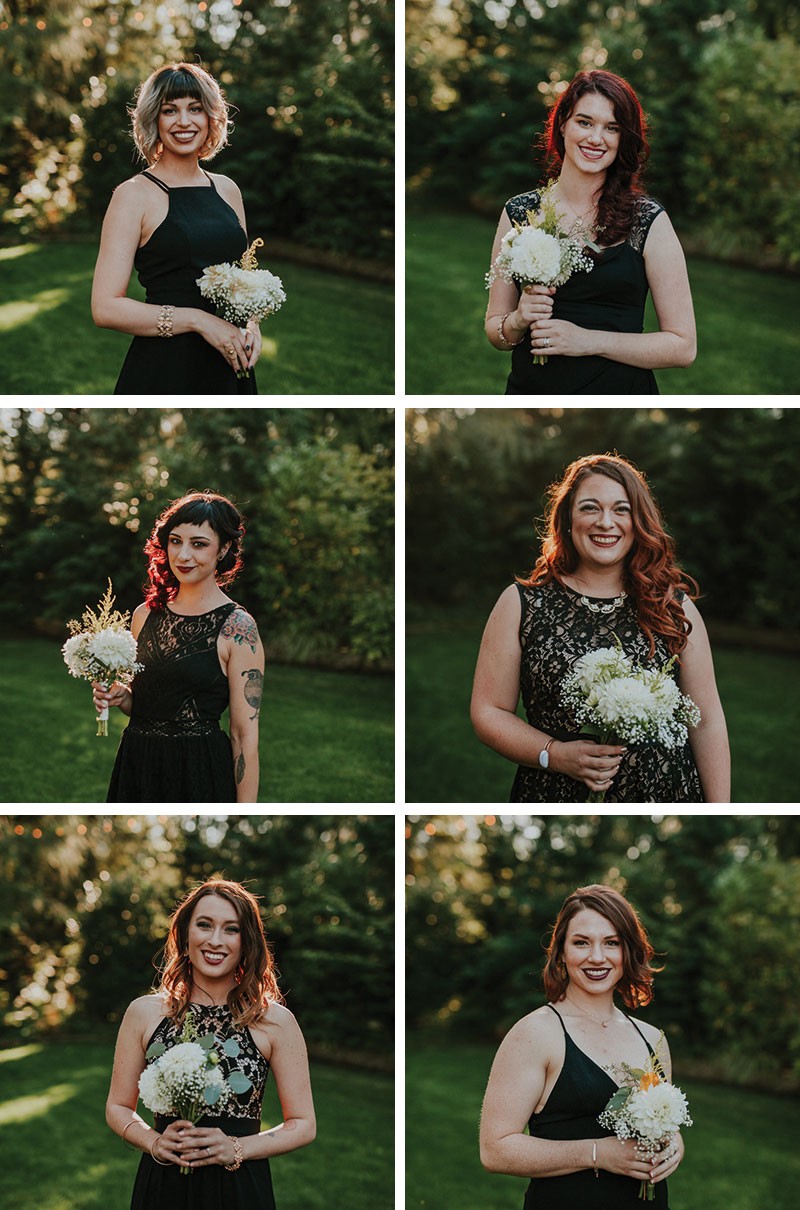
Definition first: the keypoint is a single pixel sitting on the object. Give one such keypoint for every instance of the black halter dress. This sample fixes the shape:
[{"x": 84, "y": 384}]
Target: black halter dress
[
  {"x": 200, "y": 230},
  {"x": 579, "y": 1095},
  {"x": 211, "y": 1187}
]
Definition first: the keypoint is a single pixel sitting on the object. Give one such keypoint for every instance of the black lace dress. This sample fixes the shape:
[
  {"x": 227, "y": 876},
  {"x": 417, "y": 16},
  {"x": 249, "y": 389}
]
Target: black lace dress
[
  {"x": 609, "y": 298},
  {"x": 173, "y": 749},
  {"x": 200, "y": 229},
  {"x": 211, "y": 1187},
  {"x": 556, "y": 629}
]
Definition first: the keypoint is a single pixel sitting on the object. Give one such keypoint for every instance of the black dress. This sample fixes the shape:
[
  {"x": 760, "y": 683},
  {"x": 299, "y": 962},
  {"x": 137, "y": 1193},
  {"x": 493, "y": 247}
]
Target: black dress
[
  {"x": 556, "y": 629},
  {"x": 212, "y": 1187},
  {"x": 173, "y": 749},
  {"x": 579, "y": 1095},
  {"x": 609, "y": 298},
  {"x": 200, "y": 230}
]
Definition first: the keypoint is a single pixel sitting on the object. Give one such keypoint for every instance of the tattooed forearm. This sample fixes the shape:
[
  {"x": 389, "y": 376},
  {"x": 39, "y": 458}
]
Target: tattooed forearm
[
  {"x": 240, "y": 628},
  {"x": 239, "y": 767},
  {"x": 253, "y": 689}
]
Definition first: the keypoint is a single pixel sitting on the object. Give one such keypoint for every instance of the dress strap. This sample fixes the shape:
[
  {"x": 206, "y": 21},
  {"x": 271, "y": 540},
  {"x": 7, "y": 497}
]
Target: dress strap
[
  {"x": 210, "y": 181},
  {"x": 156, "y": 181},
  {"x": 639, "y": 1032},
  {"x": 561, "y": 1019}
]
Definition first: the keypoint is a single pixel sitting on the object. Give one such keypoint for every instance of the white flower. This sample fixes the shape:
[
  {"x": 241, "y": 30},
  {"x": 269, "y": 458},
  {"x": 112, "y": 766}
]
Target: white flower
[
  {"x": 114, "y": 650},
  {"x": 75, "y": 652},
  {"x": 658, "y": 1111},
  {"x": 600, "y": 665},
  {"x": 531, "y": 254},
  {"x": 624, "y": 700},
  {"x": 152, "y": 1091}
]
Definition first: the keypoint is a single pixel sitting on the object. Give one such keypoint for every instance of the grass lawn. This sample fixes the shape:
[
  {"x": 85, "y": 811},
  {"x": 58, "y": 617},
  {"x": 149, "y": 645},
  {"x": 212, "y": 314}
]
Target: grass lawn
[
  {"x": 741, "y": 1152},
  {"x": 58, "y": 1153},
  {"x": 748, "y": 339},
  {"x": 325, "y": 736},
  {"x": 760, "y": 694},
  {"x": 315, "y": 345}
]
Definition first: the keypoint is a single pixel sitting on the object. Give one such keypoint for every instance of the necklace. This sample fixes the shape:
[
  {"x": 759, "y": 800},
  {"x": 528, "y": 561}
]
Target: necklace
[
  {"x": 609, "y": 607},
  {"x": 587, "y": 220},
  {"x": 596, "y": 1020}
]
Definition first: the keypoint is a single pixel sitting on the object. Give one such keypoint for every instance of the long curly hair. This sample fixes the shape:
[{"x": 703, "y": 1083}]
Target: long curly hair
[
  {"x": 623, "y": 180},
  {"x": 257, "y": 984},
  {"x": 193, "y": 509},
  {"x": 636, "y": 984},
  {"x": 651, "y": 575}
]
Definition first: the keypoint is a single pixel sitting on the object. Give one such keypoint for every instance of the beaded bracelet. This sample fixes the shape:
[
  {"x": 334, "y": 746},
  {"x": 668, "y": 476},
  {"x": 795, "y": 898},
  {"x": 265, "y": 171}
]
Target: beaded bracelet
[
  {"x": 238, "y": 1155},
  {"x": 164, "y": 325},
  {"x": 512, "y": 344}
]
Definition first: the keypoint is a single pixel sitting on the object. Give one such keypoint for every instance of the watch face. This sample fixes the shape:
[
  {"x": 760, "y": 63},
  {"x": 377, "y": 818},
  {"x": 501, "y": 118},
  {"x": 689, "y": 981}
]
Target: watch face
[{"x": 544, "y": 758}]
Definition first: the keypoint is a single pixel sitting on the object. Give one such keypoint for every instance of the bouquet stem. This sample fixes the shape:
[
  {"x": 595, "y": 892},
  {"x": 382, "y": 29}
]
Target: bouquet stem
[
  {"x": 540, "y": 359},
  {"x": 102, "y": 718},
  {"x": 647, "y": 1191}
]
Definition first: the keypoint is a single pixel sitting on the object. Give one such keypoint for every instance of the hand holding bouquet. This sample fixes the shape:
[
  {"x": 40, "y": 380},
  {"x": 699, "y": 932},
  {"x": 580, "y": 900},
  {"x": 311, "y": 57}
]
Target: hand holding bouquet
[
  {"x": 619, "y": 703},
  {"x": 102, "y": 648},
  {"x": 540, "y": 252},
  {"x": 243, "y": 292},
  {"x": 646, "y": 1108}
]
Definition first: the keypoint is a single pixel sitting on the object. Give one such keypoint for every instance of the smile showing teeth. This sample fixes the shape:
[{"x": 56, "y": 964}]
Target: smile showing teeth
[
  {"x": 604, "y": 539},
  {"x": 592, "y": 153},
  {"x": 214, "y": 959},
  {"x": 595, "y": 974}
]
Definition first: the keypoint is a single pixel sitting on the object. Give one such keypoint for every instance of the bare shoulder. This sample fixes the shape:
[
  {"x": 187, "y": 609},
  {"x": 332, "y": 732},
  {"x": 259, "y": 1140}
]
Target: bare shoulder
[
  {"x": 133, "y": 193},
  {"x": 651, "y": 1032},
  {"x": 277, "y": 1016},
  {"x": 138, "y": 619},
  {"x": 229, "y": 190},
  {"x": 240, "y": 629},
  {"x": 144, "y": 1013},
  {"x": 537, "y": 1033},
  {"x": 506, "y": 615}
]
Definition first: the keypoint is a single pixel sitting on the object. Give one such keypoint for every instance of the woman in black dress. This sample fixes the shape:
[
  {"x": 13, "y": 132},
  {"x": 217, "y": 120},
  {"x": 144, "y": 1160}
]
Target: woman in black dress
[
  {"x": 170, "y": 223},
  {"x": 590, "y": 328},
  {"x": 201, "y": 655},
  {"x": 607, "y": 572},
  {"x": 551, "y": 1072},
  {"x": 218, "y": 967}
]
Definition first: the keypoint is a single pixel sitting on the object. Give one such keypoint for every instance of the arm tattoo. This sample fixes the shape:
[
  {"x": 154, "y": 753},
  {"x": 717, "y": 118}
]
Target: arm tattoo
[
  {"x": 253, "y": 688},
  {"x": 241, "y": 628},
  {"x": 240, "y": 767}
]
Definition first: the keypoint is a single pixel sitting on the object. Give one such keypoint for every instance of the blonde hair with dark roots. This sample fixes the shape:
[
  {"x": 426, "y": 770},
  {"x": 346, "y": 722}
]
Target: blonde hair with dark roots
[
  {"x": 256, "y": 980},
  {"x": 172, "y": 83}
]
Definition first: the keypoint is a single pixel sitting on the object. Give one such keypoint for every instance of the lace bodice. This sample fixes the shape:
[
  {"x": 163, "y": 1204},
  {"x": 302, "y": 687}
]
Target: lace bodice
[
  {"x": 645, "y": 210},
  {"x": 217, "y": 1019}
]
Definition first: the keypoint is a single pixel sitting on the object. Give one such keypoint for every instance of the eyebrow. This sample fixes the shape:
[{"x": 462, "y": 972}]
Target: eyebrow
[
  {"x": 591, "y": 119},
  {"x": 173, "y": 533},
  {"x": 229, "y": 920},
  {"x": 594, "y": 500},
  {"x": 586, "y": 937}
]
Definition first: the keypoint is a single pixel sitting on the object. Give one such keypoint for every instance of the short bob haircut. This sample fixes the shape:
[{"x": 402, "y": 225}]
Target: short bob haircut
[
  {"x": 173, "y": 83},
  {"x": 193, "y": 509},
  {"x": 636, "y": 984},
  {"x": 256, "y": 979}
]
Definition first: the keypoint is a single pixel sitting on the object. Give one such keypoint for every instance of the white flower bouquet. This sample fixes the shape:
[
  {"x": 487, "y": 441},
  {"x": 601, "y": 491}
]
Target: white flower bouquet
[
  {"x": 241, "y": 291},
  {"x": 646, "y": 1108},
  {"x": 185, "y": 1080},
  {"x": 541, "y": 253},
  {"x": 102, "y": 648},
  {"x": 619, "y": 703}
]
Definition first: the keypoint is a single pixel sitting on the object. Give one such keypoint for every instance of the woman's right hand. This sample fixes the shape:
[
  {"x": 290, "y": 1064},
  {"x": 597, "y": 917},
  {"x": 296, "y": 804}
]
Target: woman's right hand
[
  {"x": 115, "y": 695},
  {"x": 226, "y": 338},
  {"x": 535, "y": 303},
  {"x": 623, "y": 1157},
  {"x": 169, "y": 1144},
  {"x": 596, "y": 765}
]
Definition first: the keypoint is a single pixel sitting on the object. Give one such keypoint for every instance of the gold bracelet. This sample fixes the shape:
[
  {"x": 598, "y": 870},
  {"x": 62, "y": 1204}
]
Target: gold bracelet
[
  {"x": 504, "y": 338},
  {"x": 238, "y": 1155},
  {"x": 154, "y": 1157},
  {"x": 164, "y": 325},
  {"x": 132, "y": 1122}
]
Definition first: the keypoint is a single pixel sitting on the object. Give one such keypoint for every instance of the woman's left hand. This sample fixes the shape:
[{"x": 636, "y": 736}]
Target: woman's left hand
[
  {"x": 557, "y": 337},
  {"x": 252, "y": 342},
  {"x": 204, "y": 1145},
  {"x": 665, "y": 1163}
]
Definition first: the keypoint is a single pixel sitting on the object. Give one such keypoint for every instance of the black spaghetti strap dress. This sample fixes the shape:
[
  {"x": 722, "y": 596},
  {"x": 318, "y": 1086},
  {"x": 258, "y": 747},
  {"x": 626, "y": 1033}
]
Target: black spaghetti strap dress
[
  {"x": 579, "y": 1095},
  {"x": 173, "y": 749},
  {"x": 200, "y": 230},
  {"x": 212, "y": 1187},
  {"x": 609, "y": 298},
  {"x": 557, "y": 626}
]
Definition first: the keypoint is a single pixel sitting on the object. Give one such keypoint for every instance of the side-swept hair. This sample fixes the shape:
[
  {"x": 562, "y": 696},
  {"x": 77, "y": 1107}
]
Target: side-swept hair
[
  {"x": 173, "y": 83},
  {"x": 636, "y": 984}
]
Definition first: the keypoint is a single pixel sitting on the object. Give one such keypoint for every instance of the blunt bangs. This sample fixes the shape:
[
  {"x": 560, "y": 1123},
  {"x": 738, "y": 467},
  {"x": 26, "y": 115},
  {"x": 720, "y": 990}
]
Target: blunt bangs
[{"x": 181, "y": 84}]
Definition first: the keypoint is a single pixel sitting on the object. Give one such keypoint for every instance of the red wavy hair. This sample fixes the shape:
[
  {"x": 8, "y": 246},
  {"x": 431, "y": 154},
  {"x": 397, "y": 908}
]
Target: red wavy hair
[
  {"x": 193, "y": 509},
  {"x": 636, "y": 984},
  {"x": 651, "y": 576},
  {"x": 257, "y": 984},
  {"x": 623, "y": 180}
]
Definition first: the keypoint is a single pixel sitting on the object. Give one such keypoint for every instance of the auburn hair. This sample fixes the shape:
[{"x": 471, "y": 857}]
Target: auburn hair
[
  {"x": 623, "y": 180},
  {"x": 256, "y": 976},
  {"x": 651, "y": 575},
  {"x": 636, "y": 983},
  {"x": 193, "y": 509}
]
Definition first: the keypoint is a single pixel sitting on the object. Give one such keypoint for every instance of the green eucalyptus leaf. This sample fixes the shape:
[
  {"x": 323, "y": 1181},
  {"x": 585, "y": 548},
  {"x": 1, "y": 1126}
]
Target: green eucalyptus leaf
[
  {"x": 619, "y": 1098},
  {"x": 239, "y": 1082},
  {"x": 212, "y": 1095},
  {"x": 207, "y": 1041},
  {"x": 155, "y": 1051},
  {"x": 231, "y": 1048}
]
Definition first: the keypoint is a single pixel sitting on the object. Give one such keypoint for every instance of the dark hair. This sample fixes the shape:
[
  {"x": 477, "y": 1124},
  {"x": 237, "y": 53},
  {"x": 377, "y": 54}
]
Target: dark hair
[
  {"x": 652, "y": 576},
  {"x": 636, "y": 984},
  {"x": 256, "y": 980},
  {"x": 193, "y": 509},
  {"x": 622, "y": 184}
]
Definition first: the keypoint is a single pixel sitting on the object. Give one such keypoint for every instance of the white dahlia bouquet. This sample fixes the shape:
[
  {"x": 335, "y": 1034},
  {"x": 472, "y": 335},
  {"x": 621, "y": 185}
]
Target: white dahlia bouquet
[
  {"x": 185, "y": 1081},
  {"x": 102, "y": 648},
  {"x": 617, "y": 702},
  {"x": 541, "y": 252},
  {"x": 647, "y": 1108},
  {"x": 241, "y": 291}
]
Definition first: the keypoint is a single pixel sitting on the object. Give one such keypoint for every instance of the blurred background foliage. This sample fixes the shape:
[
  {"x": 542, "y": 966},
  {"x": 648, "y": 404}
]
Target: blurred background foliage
[
  {"x": 85, "y": 902},
  {"x": 719, "y": 896},
  {"x": 80, "y": 489},
  {"x": 725, "y": 479},
  {"x": 719, "y": 82},
  {"x": 310, "y": 82}
]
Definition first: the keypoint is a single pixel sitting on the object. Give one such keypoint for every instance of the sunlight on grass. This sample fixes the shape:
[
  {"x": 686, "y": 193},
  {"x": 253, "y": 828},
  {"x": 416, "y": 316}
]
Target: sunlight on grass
[
  {"x": 15, "y": 253},
  {"x": 12, "y": 315},
  {"x": 19, "y": 1052},
  {"x": 269, "y": 348},
  {"x": 24, "y": 1108}
]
